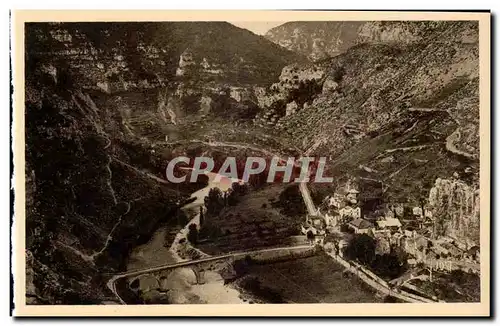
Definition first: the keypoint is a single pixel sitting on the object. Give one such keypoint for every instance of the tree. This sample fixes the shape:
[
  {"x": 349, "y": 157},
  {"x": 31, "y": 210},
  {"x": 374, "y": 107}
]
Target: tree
[
  {"x": 389, "y": 265},
  {"x": 214, "y": 202},
  {"x": 202, "y": 217},
  {"x": 291, "y": 201},
  {"x": 193, "y": 234},
  {"x": 361, "y": 247},
  {"x": 310, "y": 236}
]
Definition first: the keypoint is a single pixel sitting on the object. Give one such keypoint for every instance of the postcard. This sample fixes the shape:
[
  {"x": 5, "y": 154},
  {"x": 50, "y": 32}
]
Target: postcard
[{"x": 251, "y": 163}]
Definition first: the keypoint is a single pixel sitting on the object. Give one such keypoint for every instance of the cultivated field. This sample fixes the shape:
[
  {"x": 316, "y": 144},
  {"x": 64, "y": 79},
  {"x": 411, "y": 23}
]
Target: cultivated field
[{"x": 316, "y": 279}]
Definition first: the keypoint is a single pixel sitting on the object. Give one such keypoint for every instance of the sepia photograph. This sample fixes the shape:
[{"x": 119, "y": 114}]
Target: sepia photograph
[{"x": 216, "y": 163}]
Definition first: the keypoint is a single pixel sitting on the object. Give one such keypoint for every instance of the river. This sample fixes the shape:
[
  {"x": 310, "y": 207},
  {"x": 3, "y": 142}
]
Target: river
[{"x": 181, "y": 284}]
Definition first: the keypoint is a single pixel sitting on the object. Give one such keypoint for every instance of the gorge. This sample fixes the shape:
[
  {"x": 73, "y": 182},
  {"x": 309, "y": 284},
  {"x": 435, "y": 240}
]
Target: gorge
[{"x": 109, "y": 105}]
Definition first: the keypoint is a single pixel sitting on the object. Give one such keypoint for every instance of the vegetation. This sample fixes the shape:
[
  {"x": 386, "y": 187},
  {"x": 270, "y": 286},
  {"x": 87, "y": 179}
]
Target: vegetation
[
  {"x": 304, "y": 280},
  {"x": 193, "y": 234},
  {"x": 361, "y": 247},
  {"x": 291, "y": 202}
]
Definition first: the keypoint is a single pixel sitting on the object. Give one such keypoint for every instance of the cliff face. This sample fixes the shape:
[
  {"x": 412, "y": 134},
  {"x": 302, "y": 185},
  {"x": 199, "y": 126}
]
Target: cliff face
[
  {"x": 99, "y": 97},
  {"x": 105, "y": 101},
  {"x": 402, "y": 109},
  {"x": 321, "y": 40},
  {"x": 143, "y": 55},
  {"x": 181, "y": 70},
  {"x": 367, "y": 87},
  {"x": 316, "y": 40},
  {"x": 455, "y": 206},
  {"x": 91, "y": 194}
]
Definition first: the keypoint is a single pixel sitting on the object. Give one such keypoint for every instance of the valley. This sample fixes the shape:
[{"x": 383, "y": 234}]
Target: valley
[{"x": 394, "y": 107}]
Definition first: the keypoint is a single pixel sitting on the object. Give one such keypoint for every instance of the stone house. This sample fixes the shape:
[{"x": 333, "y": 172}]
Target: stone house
[{"x": 360, "y": 225}]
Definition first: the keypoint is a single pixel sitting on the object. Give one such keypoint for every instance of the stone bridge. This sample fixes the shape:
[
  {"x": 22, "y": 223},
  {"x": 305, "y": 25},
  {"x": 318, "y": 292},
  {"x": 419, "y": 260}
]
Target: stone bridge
[
  {"x": 152, "y": 277},
  {"x": 199, "y": 267}
]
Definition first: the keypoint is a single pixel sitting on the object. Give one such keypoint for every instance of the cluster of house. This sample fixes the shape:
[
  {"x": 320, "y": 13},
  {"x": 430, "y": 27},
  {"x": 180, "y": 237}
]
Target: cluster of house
[{"x": 342, "y": 213}]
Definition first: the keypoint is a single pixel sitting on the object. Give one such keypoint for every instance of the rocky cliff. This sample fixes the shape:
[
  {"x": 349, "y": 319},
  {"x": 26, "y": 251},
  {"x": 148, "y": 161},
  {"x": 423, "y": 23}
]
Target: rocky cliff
[
  {"x": 181, "y": 70},
  {"x": 316, "y": 40},
  {"x": 99, "y": 98},
  {"x": 321, "y": 40},
  {"x": 456, "y": 206},
  {"x": 401, "y": 108},
  {"x": 91, "y": 195},
  {"x": 104, "y": 102}
]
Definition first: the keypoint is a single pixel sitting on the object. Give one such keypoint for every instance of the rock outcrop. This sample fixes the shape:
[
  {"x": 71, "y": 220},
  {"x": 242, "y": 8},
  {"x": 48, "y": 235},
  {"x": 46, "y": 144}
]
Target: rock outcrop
[
  {"x": 322, "y": 40},
  {"x": 101, "y": 99},
  {"x": 317, "y": 40},
  {"x": 455, "y": 209}
]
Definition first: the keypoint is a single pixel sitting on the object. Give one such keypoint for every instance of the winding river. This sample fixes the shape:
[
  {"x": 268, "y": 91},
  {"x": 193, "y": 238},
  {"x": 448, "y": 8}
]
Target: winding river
[{"x": 180, "y": 285}]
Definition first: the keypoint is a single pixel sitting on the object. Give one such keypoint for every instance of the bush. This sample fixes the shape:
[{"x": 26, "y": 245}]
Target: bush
[
  {"x": 338, "y": 74},
  {"x": 193, "y": 234},
  {"x": 362, "y": 248}
]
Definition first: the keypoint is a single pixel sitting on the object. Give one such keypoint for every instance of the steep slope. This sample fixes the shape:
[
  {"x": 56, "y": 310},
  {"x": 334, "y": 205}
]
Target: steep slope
[
  {"x": 151, "y": 52},
  {"x": 316, "y": 39},
  {"x": 402, "y": 113},
  {"x": 319, "y": 39},
  {"x": 91, "y": 195},
  {"x": 399, "y": 111},
  {"x": 163, "y": 75},
  {"x": 101, "y": 99}
]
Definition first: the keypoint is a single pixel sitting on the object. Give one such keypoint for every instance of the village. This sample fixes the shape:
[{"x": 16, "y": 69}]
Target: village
[{"x": 408, "y": 233}]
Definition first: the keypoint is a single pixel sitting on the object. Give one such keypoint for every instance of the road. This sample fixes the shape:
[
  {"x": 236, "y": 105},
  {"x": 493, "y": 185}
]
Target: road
[
  {"x": 377, "y": 283},
  {"x": 306, "y": 195},
  {"x": 303, "y": 189},
  {"x": 452, "y": 139}
]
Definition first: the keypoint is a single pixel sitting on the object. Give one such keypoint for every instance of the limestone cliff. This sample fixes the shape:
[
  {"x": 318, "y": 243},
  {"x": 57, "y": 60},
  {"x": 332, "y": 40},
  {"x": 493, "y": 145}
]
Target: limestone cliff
[
  {"x": 321, "y": 40},
  {"x": 455, "y": 208},
  {"x": 400, "y": 108},
  {"x": 317, "y": 40},
  {"x": 104, "y": 101}
]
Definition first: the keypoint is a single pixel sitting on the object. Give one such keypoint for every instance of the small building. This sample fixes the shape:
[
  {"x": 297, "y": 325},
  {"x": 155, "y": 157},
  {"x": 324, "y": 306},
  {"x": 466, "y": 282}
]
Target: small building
[
  {"x": 317, "y": 222},
  {"x": 361, "y": 225},
  {"x": 418, "y": 212},
  {"x": 440, "y": 250},
  {"x": 350, "y": 213},
  {"x": 342, "y": 245},
  {"x": 410, "y": 234},
  {"x": 331, "y": 219},
  {"x": 389, "y": 223}
]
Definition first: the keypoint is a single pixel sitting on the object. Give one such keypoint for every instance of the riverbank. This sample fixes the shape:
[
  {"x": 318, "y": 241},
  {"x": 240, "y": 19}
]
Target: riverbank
[{"x": 167, "y": 248}]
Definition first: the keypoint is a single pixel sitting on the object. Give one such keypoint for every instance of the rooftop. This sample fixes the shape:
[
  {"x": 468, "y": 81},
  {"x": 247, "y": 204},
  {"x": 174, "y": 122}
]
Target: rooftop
[
  {"x": 361, "y": 223},
  {"x": 389, "y": 222}
]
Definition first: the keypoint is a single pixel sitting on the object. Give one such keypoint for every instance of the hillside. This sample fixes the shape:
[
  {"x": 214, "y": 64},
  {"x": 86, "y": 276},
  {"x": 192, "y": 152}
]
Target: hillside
[
  {"x": 401, "y": 113},
  {"x": 316, "y": 40},
  {"x": 320, "y": 40},
  {"x": 109, "y": 104},
  {"x": 98, "y": 98},
  {"x": 160, "y": 74}
]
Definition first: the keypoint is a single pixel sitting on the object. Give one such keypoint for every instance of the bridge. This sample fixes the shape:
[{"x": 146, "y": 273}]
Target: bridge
[{"x": 216, "y": 263}]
